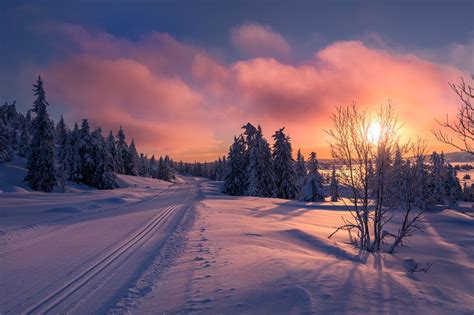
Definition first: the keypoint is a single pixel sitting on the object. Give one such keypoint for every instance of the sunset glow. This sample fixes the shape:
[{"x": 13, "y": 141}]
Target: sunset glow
[{"x": 374, "y": 132}]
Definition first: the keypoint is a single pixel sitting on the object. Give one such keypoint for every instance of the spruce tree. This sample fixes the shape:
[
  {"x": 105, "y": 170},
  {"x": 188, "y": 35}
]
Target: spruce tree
[
  {"x": 131, "y": 167},
  {"x": 62, "y": 143},
  {"x": 122, "y": 153},
  {"x": 260, "y": 171},
  {"x": 437, "y": 179},
  {"x": 73, "y": 167},
  {"x": 103, "y": 175},
  {"x": 110, "y": 146},
  {"x": 6, "y": 151},
  {"x": 334, "y": 185},
  {"x": 286, "y": 179},
  {"x": 41, "y": 173},
  {"x": 153, "y": 167},
  {"x": 300, "y": 168},
  {"x": 312, "y": 189},
  {"x": 234, "y": 179},
  {"x": 24, "y": 145},
  {"x": 143, "y": 170},
  {"x": 85, "y": 155}
]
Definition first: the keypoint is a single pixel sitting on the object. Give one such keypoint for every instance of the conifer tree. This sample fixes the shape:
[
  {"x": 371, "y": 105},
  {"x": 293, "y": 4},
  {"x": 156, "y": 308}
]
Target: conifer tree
[
  {"x": 143, "y": 166},
  {"x": 73, "y": 167},
  {"x": 6, "y": 151},
  {"x": 260, "y": 171},
  {"x": 103, "y": 176},
  {"x": 122, "y": 153},
  {"x": 300, "y": 168},
  {"x": 85, "y": 155},
  {"x": 153, "y": 167},
  {"x": 334, "y": 185},
  {"x": 312, "y": 186},
  {"x": 110, "y": 146},
  {"x": 24, "y": 145},
  {"x": 62, "y": 142},
  {"x": 131, "y": 167},
  {"x": 41, "y": 173},
  {"x": 286, "y": 179},
  {"x": 234, "y": 179}
]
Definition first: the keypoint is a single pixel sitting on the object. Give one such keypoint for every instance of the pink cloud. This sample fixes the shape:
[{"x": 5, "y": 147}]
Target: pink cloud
[
  {"x": 178, "y": 99},
  {"x": 257, "y": 40}
]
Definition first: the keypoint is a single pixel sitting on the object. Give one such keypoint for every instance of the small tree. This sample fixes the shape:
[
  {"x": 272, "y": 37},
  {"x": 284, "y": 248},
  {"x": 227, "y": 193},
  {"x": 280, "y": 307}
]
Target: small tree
[
  {"x": 365, "y": 162},
  {"x": 312, "y": 189}
]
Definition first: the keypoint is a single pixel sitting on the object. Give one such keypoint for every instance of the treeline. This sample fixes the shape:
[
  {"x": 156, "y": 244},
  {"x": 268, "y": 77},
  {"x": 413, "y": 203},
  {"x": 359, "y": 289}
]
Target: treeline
[
  {"x": 255, "y": 169},
  {"x": 55, "y": 154}
]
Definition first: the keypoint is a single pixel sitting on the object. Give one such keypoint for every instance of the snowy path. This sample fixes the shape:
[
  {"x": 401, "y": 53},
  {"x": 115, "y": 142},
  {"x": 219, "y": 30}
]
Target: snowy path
[{"x": 85, "y": 263}]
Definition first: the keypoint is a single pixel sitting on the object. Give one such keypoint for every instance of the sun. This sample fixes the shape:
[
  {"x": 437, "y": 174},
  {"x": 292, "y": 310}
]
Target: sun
[{"x": 374, "y": 132}]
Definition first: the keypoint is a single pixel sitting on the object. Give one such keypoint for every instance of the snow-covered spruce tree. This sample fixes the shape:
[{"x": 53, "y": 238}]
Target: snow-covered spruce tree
[
  {"x": 122, "y": 158},
  {"x": 421, "y": 191},
  {"x": 6, "y": 151},
  {"x": 103, "y": 175},
  {"x": 61, "y": 140},
  {"x": 85, "y": 155},
  {"x": 300, "y": 168},
  {"x": 260, "y": 170},
  {"x": 286, "y": 179},
  {"x": 334, "y": 186},
  {"x": 163, "y": 170},
  {"x": 41, "y": 173},
  {"x": 24, "y": 144},
  {"x": 132, "y": 164},
  {"x": 234, "y": 180},
  {"x": 110, "y": 145},
  {"x": 452, "y": 186},
  {"x": 312, "y": 189},
  {"x": 153, "y": 167},
  {"x": 62, "y": 145},
  {"x": 169, "y": 165},
  {"x": 73, "y": 167},
  {"x": 396, "y": 179},
  {"x": 143, "y": 167},
  {"x": 437, "y": 179}
]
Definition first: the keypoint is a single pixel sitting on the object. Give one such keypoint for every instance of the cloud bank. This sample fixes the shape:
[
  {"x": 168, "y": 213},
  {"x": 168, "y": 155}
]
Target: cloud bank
[{"x": 177, "y": 98}]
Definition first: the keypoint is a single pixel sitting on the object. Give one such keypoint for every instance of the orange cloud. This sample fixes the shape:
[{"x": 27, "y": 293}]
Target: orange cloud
[
  {"x": 178, "y": 99},
  {"x": 257, "y": 40}
]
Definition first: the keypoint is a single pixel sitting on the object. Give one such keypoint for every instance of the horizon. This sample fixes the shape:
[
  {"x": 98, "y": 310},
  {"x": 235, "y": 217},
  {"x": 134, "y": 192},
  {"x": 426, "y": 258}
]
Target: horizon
[{"x": 183, "y": 87}]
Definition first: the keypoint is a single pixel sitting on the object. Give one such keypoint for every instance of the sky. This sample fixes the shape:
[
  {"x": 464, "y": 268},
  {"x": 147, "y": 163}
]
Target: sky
[{"x": 182, "y": 77}]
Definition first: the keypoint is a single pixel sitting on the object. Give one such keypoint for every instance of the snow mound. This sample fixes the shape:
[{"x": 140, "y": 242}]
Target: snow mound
[{"x": 12, "y": 175}]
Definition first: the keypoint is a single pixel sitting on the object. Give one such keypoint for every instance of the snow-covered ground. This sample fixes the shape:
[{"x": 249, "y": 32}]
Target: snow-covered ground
[
  {"x": 267, "y": 256},
  {"x": 153, "y": 247},
  {"x": 80, "y": 251}
]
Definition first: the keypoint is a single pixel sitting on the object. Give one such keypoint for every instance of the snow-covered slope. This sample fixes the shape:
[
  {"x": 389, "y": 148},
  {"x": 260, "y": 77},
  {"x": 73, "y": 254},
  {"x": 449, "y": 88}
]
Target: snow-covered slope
[{"x": 269, "y": 256}]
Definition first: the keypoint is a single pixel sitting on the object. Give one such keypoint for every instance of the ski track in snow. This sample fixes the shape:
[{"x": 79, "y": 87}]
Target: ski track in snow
[{"x": 108, "y": 272}]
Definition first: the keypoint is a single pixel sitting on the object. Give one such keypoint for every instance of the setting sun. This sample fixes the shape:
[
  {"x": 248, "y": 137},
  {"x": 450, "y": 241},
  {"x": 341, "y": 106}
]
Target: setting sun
[{"x": 374, "y": 131}]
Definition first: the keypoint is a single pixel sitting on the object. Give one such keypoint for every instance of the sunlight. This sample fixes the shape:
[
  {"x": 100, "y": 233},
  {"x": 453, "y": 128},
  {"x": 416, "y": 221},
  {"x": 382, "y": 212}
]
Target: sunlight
[{"x": 374, "y": 132}]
